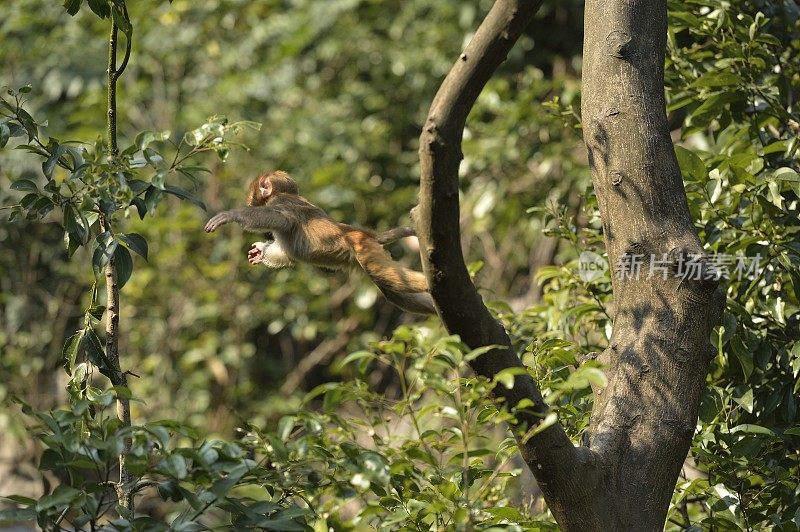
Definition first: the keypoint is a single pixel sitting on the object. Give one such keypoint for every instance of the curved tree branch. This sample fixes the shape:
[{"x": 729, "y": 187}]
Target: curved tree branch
[{"x": 558, "y": 465}]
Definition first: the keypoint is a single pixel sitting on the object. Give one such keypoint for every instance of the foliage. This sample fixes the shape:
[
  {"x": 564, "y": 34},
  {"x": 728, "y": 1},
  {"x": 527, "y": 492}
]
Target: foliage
[
  {"x": 734, "y": 79},
  {"x": 214, "y": 335},
  {"x": 401, "y": 438},
  {"x": 96, "y": 185},
  {"x": 425, "y": 457}
]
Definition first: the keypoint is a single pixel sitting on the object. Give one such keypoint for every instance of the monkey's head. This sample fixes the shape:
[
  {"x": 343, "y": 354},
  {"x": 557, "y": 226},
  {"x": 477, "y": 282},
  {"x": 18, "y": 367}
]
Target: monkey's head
[{"x": 267, "y": 185}]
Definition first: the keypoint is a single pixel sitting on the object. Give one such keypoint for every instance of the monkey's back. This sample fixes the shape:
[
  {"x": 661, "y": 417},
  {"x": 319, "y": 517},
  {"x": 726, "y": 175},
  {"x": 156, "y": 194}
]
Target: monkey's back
[{"x": 314, "y": 237}]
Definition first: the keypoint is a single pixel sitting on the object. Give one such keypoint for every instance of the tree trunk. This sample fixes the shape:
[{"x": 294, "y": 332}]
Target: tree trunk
[
  {"x": 644, "y": 419},
  {"x": 656, "y": 363}
]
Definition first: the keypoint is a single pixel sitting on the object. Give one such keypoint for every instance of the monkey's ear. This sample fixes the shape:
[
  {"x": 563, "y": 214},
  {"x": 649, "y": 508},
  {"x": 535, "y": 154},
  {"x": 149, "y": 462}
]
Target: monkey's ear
[{"x": 265, "y": 186}]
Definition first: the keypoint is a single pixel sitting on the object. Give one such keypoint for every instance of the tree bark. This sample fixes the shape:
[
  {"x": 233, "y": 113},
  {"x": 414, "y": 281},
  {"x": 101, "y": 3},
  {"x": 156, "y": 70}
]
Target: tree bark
[
  {"x": 550, "y": 454},
  {"x": 644, "y": 419}
]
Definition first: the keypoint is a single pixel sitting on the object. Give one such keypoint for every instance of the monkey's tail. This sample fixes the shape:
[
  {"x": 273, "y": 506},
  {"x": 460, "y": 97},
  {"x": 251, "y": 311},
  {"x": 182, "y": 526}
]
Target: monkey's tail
[
  {"x": 418, "y": 303},
  {"x": 405, "y": 288},
  {"x": 387, "y": 237}
]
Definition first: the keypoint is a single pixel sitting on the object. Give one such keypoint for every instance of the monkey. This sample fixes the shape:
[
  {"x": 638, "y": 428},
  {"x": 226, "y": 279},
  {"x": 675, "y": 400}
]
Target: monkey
[
  {"x": 270, "y": 252},
  {"x": 302, "y": 232}
]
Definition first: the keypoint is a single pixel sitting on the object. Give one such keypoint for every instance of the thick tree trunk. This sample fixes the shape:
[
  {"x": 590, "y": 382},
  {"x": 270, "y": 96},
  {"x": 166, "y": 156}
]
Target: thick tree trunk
[{"x": 644, "y": 419}]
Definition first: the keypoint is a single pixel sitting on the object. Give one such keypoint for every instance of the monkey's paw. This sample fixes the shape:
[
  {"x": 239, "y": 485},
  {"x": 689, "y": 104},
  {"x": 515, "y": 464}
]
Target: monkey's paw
[
  {"x": 255, "y": 255},
  {"x": 220, "y": 219}
]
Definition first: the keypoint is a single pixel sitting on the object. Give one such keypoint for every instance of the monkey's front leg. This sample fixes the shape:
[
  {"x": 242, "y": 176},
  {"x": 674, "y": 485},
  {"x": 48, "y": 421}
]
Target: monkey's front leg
[
  {"x": 225, "y": 217},
  {"x": 253, "y": 219}
]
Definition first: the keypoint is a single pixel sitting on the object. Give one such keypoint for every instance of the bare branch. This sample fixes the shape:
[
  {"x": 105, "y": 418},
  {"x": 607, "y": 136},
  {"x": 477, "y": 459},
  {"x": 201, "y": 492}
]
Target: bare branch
[{"x": 555, "y": 462}]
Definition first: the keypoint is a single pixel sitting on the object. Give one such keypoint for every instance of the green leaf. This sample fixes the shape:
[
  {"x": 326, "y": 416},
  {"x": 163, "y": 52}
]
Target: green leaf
[
  {"x": 100, "y": 8},
  {"x": 72, "y": 6},
  {"x": 742, "y": 175},
  {"x": 144, "y": 138},
  {"x": 135, "y": 242},
  {"x": 691, "y": 165},
  {"x": 30, "y": 127},
  {"x": 77, "y": 157},
  {"x": 28, "y": 200},
  {"x": 61, "y": 496},
  {"x": 138, "y": 186},
  {"x": 74, "y": 224},
  {"x": 719, "y": 79},
  {"x": 713, "y": 106},
  {"x": 284, "y": 525},
  {"x": 779, "y": 146},
  {"x": 184, "y": 195},
  {"x": 285, "y": 426},
  {"x": 49, "y": 165},
  {"x": 505, "y": 512},
  {"x": 24, "y": 185},
  {"x": 193, "y": 168},
  {"x": 774, "y": 194},
  {"x": 141, "y": 207},
  {"x": 41, "y": 207},
  {"x": 5, "y": 134},
  {"x": 786, "y": 174},
  {"x": 93, "y": 350},
  {"x": 70, "y": 351},
  {"x": 752, "y": 429},
  {"x": 152, "y": 198},
  {"x": 21, "y": 500},
  {"x": 155, "y": 160},
  {"x": 475, "y": 353},
  {"x": 80, "y": 373},
  {"x": 221, "y": 487},
  {"x": 106, "y": 246},
  {"x": 743, "y": 355},
  {"x": 79, "y": 172},
  {"x": 249, "y": 124},
  {"x": 714, "y": 189},
  {"x": 746, "y": 401},
  {"x": 96, "y": 311},
  {"x": 16, "y": 130},
  {"x": 123, "y": 262},
  {"x": 120, "y": 19},
  {"x": 175, "y": 466},
  {"x": 507, "y": 376}
]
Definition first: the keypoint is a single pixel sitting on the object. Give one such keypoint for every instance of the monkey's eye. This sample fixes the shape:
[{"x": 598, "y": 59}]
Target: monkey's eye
[{"x": 269, "y": 237}]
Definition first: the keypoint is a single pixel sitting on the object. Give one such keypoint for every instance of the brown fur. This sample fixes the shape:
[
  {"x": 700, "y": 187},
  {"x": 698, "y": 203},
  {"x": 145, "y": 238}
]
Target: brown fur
[{"x": 305, "y": 233}]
